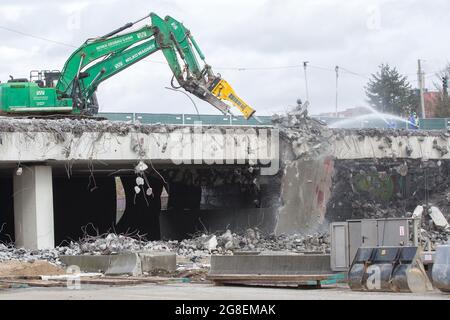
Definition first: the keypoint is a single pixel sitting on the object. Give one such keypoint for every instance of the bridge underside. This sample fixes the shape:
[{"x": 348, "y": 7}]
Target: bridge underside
[
  {"x": 188, "y": 201},
  {"x": 58, "y": 182}
]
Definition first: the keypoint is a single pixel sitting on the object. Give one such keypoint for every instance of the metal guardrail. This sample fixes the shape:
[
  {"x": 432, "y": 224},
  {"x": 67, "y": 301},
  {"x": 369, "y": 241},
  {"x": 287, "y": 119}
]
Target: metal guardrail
[
  {"x": 424, "y": 124},
  {"x": 184, "y": 119},
  {"x": 190, "y": 119}
]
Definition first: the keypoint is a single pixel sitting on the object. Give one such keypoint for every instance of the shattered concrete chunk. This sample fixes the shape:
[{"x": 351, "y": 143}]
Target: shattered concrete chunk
[
  {"x": 140, "y": 181},
  {"x": 403, "y": 170},
  {"x": 417, "y": 214},
  {"x": 211, "y": 243},
  {"x": 141, "y": 167},
  {"x": 438, "y": 218}
]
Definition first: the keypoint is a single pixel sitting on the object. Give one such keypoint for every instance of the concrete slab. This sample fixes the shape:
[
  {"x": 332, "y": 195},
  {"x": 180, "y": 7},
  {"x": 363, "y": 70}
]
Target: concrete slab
[
  {"x": 308, "y": 264},
  {"x": 87, "y": 263},
  {"x": 125, "y": 263},
  {"x": 151, "y": 261}
]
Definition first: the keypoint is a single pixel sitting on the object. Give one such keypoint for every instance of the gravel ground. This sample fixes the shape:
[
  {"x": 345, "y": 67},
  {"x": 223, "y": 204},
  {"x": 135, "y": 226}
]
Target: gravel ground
[{"x": 208, "y": 292}]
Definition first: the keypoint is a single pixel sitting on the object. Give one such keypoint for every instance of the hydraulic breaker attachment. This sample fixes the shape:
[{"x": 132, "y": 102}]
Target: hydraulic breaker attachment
[
  {"x": 222, "y": 90},
  {"x": 396, "y": 269},
  {"x": 441, "y": 268}
]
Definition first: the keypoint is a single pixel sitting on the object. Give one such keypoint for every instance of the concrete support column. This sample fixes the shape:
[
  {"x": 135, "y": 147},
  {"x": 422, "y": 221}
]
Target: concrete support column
[{"x": 33, "y": 208}]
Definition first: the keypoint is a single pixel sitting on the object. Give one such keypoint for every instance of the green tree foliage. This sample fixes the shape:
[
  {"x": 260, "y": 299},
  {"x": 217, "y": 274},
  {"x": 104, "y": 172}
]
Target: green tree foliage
[{"x": 390, "y": 92}]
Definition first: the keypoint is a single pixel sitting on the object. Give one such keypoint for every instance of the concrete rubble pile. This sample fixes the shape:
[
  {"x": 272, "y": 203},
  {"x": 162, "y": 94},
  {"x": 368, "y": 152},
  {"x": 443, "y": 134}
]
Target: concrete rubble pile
[
  {"x": 194, "y": 248},
  {"x": 387, "y": 188},
  {"x": 9, "y": 252},
  {"x": 65, "y": 129},
  {"x": 253, "y": 240},
  {"x": 75, "y": 126},
  {"x": 308, "y": 137},
  {"x": 373, "y": 188},
  {"x": 435, "y": 227}
]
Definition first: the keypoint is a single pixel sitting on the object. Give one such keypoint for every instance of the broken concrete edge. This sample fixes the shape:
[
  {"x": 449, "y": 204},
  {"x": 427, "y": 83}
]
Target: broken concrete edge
[
  {"x": 133, "y": 263},
  {"x": 79, "y": 126}
]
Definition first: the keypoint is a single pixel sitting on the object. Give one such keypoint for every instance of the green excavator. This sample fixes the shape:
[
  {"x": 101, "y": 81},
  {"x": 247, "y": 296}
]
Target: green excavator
[{"x": 72, "y": 90}]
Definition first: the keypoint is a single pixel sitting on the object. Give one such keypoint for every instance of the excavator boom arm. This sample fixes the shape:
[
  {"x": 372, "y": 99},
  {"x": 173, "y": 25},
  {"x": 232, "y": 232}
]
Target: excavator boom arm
[
  {"x": 115, "y": 64},
  {"x": 101, "y": 58}
]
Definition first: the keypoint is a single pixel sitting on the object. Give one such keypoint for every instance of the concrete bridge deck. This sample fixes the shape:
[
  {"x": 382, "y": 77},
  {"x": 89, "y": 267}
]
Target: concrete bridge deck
[{"x": 33, "y": 151}]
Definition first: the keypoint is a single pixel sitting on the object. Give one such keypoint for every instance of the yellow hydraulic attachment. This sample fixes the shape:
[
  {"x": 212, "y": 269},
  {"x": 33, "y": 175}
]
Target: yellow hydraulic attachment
[{"x": 222, "y": 90}]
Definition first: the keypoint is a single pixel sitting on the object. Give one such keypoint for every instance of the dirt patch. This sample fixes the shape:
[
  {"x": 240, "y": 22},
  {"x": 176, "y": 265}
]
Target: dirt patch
[
  {"x": 196, "y": 275},
  {"x": 36, "y": 268}
]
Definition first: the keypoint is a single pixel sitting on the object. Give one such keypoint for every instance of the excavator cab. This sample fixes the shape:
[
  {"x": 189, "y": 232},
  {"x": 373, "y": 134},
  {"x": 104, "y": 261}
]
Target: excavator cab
[{"x": 45, "y": 78}]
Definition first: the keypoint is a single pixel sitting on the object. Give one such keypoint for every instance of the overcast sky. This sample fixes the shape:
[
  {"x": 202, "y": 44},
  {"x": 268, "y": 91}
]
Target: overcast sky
[{"x": 356, "y": 35}]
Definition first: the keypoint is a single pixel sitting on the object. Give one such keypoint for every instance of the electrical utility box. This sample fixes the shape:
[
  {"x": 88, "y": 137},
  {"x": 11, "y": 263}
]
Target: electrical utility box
[{"x": 347, "y": 237}]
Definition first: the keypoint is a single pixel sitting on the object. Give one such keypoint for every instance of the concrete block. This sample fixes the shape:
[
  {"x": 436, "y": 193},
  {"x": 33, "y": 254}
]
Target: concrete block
[
  {"x": 438, "y": 218},
  {"x": 125, "y": 263},
  {"x": 308, "y": 264},
  {"x": 87, "y": 263},
  {"x": 151, "y": 261}
]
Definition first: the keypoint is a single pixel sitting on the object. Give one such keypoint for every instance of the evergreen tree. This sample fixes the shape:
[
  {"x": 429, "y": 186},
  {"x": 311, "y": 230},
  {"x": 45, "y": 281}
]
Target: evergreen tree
[{"x": 390, "y": 92}]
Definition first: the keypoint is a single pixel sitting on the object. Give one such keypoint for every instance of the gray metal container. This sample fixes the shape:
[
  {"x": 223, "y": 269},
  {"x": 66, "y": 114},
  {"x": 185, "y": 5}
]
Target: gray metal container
[{"x": 441, "y": 268}]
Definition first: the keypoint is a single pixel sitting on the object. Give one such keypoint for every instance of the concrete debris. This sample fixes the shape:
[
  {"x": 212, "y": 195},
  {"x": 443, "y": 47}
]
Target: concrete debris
[
  {"x": 435, "y": 238},
  {"x": 141, "y": 167},
  {"x": 210, "y": 243},
  {"x": 78, "y": 126},
  {"x": 140, "y": 181},
  {"x": 438, "y": 218},
  {"x": 386, "y": 188},
  {"x": 402, "y": 170},
  {"x": 417, "y": 214},
  {"x": 308, "y": 137},
  {"x": 19, "y": 171},
  {"x": 390, "y": 133},
  {"x": 442, "y": 149},
  {"x": 379, "y": 189},
  {"x": 194, "y": 248},
  {"x": 9, "y": 252}
]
